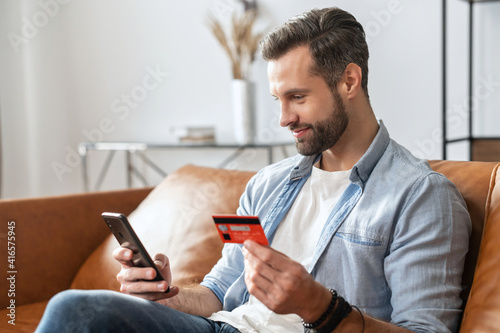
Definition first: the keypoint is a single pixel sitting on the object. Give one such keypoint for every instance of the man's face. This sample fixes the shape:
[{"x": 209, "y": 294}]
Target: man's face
[{"x": 315, "y": 115}]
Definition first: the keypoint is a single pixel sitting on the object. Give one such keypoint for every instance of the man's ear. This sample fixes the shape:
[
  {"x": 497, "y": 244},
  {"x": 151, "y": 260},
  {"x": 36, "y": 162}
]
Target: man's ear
[{"x": 352, "y": 80}]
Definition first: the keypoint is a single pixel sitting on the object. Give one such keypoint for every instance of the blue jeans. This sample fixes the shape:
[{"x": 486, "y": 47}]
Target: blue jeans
[{"x": 109, "y": 311}]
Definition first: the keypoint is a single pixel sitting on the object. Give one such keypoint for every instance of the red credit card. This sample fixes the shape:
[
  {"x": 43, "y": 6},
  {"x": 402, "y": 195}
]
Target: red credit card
[{"x": 237, "y": 229}]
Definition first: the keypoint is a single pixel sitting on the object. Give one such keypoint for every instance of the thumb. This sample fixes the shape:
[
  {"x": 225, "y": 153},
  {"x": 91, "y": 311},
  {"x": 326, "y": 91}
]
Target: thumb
[{"x": 160, "y": 260}]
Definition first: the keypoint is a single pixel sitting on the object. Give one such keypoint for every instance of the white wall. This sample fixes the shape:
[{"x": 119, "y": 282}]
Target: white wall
[
  {"x": 487, "y": 46},
  {"x": 70, "y": 75}
]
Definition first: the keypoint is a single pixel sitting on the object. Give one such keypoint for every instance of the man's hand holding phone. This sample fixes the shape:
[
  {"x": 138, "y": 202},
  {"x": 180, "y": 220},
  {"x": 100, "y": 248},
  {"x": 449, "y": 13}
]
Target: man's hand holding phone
[
  {"x": 138, "y": 281},
  {"x": 140, "y": 274}
]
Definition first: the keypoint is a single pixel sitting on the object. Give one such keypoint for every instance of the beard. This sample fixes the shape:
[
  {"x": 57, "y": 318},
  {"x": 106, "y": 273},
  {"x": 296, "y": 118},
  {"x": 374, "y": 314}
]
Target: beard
[{"x": 325, "y": 133}]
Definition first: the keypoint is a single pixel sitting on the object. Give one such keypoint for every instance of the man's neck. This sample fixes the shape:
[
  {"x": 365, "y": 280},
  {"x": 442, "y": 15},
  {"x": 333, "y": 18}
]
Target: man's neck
[{"x": 352, "y": 145}]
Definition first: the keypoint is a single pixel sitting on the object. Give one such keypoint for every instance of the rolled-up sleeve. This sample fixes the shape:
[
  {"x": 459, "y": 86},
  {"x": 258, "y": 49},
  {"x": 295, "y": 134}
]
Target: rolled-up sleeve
[{"x": 230, "y": 266}]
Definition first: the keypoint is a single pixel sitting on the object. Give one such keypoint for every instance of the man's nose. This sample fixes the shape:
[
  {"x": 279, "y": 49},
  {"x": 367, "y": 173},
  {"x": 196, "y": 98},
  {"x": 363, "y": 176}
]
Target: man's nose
[{"x": 287, "y": 115}]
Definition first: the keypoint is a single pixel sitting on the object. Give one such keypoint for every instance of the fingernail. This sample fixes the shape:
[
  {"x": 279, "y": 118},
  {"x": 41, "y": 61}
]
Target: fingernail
[
  {"x": 161, "y": 287},
  {"x": 149, "y": 274}
]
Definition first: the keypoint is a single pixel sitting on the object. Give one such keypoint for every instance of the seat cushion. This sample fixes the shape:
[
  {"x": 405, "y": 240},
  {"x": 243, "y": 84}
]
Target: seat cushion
[
  {"x": 27, "y": 318},
  {"x": 175, "y": 219}
]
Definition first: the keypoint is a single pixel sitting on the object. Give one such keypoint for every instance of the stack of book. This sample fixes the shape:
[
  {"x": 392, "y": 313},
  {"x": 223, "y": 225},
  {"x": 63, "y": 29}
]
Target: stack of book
[{"x": 198, "y": 135}]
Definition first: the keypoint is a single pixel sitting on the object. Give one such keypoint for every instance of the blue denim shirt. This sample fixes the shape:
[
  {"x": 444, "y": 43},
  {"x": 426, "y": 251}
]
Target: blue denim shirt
[{"x": 394, "y": 245}]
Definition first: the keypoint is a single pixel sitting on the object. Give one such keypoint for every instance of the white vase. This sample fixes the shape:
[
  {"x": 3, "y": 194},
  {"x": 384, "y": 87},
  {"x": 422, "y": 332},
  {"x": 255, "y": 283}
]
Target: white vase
[{"x": 242, "y": 102}]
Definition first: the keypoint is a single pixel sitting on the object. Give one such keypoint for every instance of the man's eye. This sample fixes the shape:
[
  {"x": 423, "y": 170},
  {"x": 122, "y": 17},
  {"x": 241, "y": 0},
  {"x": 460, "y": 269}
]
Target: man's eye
[
  {"x": 298, "y": 97},
  {"x": 275, "y": 98}
]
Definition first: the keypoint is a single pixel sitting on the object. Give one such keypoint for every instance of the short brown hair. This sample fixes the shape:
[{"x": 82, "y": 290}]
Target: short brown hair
[{"x": 335, "y": 40}]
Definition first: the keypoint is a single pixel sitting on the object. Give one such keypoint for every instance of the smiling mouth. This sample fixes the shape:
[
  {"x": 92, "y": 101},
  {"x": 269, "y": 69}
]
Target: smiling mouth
[{"x": 298, "y": 133}]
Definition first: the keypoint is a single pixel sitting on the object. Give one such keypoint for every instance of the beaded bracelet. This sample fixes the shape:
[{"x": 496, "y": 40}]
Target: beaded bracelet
[
  {"x": 341, "y": 311},
  {"x": 325, "y": 315}
]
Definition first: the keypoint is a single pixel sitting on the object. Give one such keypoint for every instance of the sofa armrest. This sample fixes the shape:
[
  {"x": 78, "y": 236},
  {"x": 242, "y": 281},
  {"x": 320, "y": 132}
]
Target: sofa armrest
[
  {"x": 53, "y": 237},
  {"x": 482, "y": 312}
]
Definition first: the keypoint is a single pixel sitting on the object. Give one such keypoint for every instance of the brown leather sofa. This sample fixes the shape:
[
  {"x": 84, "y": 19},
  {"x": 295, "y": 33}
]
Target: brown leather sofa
[{"x": 62, "y": 242}]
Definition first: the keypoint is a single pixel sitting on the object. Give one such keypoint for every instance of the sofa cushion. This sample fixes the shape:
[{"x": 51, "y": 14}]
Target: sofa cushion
[
  {"x": 175, "y": 219},
  {"x": 483, "y": 306}
]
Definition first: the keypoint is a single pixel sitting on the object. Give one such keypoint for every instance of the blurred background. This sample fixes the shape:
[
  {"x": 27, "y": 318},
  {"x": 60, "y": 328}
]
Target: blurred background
[{"x": 137, "y": 71}]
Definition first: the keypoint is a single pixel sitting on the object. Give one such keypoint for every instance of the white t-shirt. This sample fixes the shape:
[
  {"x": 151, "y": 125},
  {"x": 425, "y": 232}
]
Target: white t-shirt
[{"x": 296, "y": 237}]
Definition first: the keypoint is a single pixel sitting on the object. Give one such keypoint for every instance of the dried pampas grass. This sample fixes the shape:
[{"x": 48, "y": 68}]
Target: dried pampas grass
[{"x": 240, "y": 43}]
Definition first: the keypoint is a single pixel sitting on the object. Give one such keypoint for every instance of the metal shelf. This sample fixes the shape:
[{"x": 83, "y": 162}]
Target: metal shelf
[
  {"x": 470, "y": 136},
  {"x": 139, "y": 149}
]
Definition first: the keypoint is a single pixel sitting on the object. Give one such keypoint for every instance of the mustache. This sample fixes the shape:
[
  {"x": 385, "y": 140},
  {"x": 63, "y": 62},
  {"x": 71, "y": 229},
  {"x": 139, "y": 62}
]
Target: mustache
[{"x": 300, "y": 126}]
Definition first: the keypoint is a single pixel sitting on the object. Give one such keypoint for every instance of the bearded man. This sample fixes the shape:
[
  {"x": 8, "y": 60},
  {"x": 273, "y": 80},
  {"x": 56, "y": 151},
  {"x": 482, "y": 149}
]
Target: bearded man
[{"x": 354, "y": 220}]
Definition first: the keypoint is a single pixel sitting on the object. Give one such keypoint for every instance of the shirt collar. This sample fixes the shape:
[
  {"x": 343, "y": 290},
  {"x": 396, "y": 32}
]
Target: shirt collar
[{"x": 362, "y": 170}]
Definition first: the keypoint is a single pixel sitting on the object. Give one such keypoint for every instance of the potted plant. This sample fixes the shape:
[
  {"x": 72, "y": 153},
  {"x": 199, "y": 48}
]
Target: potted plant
[{"x": 240, "y": 42}]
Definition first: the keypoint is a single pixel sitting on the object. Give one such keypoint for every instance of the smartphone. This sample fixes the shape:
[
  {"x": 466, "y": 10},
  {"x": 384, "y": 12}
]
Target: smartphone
[
  {"x": 237, "y": 229},
  {"x": 126, "y": 237}
]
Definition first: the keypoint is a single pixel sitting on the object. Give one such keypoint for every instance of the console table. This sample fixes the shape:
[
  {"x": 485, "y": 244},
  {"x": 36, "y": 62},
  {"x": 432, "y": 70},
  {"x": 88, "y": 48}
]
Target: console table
[{"x": 139, "y": 149}]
